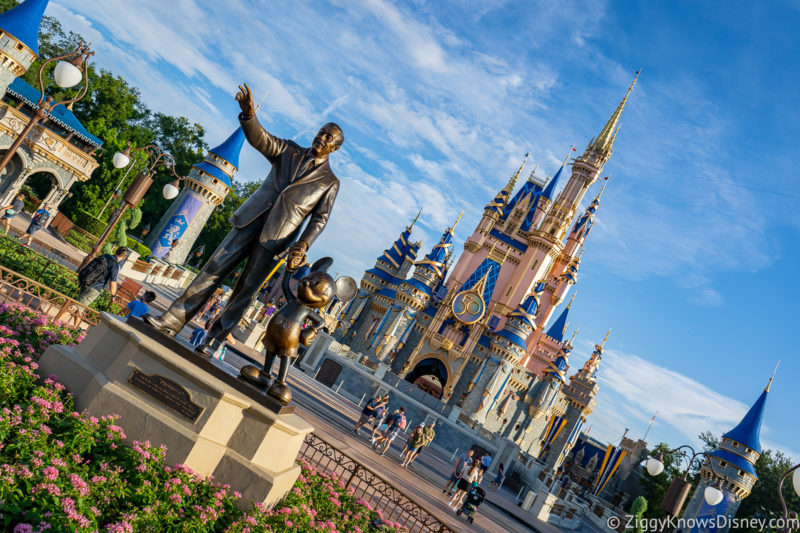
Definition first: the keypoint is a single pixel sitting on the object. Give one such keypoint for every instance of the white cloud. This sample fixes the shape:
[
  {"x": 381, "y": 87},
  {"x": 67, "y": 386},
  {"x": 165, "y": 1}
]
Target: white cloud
[{"x": 633, "y": 389}]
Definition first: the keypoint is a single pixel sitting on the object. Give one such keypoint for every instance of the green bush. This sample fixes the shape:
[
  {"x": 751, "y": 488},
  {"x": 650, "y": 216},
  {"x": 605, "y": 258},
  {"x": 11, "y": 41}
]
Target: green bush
[
  {"x": 88, "y": 222},
  {"x": 80, "y": 240},
  {"x": 143, "y": 251}
]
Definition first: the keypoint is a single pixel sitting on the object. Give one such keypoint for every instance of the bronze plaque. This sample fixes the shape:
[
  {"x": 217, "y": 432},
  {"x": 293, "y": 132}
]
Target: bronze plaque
[{"x": 167, "y": 392}]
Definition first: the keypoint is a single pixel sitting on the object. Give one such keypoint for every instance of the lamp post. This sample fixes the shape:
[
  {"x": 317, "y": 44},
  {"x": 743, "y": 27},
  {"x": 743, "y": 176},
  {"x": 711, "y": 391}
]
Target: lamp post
[
  {"x": 789, "y": 518},
  {"x": 70, "y": 70},
  {"x": 679, "y": 487},
  {"x": 198, "y": 252},
  {"x": 137, "y": 189}
]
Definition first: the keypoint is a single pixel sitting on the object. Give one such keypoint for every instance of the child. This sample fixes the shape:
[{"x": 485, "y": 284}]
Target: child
[{"x": 139, "y": 307}]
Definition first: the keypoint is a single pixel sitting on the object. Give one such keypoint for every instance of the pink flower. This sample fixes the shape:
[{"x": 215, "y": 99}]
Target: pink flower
[
  {"x": 23, "y": 528},
  {"x": 50, "y": 473}
]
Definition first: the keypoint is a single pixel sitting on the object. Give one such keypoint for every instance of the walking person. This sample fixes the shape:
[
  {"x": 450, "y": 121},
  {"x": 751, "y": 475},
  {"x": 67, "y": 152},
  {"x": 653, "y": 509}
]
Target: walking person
[
  {"x": 368, "y": 412},
  {"x": 464, "y": 458},
  {"x": 414, "y": 441},
  {"x": 11, "y": 211},
  {"x": 38, "y": 221},
  {"x": 397, "y": 422},
  {"x": 101, "y": 271},
  {"x": 495, "y": 484},
  {"x": 470, "y": 474},
  {"x": 428, "y": 434},
  {"x": 378, "y": 419},
  {"x": 486, "y": 462}
]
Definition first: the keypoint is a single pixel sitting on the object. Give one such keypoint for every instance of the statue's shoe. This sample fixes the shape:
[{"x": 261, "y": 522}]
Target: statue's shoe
[
  {"x": 281, "y": 392},
  {"x": 209, "y": 348},
  {"x": 162, "y": 325},
  {"x": 254, "y": 375}
]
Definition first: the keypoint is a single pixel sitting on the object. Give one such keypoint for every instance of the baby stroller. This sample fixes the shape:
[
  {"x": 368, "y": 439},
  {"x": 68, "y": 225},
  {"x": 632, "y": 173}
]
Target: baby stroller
[{"x": 472, "y": 500}]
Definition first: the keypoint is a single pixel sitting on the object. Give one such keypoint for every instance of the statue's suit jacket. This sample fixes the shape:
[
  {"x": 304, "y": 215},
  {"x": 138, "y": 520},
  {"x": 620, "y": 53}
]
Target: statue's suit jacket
[{"x": 287, "y": 195}]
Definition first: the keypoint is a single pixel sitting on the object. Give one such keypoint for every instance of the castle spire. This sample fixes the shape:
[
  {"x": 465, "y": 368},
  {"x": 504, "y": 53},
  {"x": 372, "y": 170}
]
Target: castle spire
[
  {"x": 513, "y": 180},
  {"x": 550, "y": 189},
  {"x": 769, "y": 384},
  {"x": 453, "y": 227},
  {"x": 415, "y": 219},
  {"x": 604, "y": 142}
]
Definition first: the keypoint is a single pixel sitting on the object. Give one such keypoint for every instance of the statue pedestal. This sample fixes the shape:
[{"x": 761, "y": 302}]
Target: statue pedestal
[
  {"x": 209, "y": 420},
  {"x": 543, "y": 504}
]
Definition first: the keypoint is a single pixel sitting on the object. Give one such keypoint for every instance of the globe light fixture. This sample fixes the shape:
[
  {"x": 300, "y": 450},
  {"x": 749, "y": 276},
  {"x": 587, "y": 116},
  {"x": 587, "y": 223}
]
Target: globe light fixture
[
  {"x": 70, "y": 69},
  {"x": 654, "y": 466},
  {"x": 122, "y": 159},
  {"x": 171, "y": 189},
  {"x": 712, "y": 495},
  {"x": 67, "y": 74},
  {"x": 796, "y": 482}
]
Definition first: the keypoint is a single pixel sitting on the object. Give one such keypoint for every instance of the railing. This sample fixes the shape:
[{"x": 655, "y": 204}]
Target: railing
[
  {"x": 17, "y": 288},
  {"x": 370, "y": 487}
]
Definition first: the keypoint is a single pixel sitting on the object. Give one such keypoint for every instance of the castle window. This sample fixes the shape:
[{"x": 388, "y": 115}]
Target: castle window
[
  {"x": 747, "y": 450},
  {"x": 735, "y": 444},
  {"x": 19, "y": 46},
  {"x": 741, "y": 473},
  {"x": 723, "y": 464},
  {"x": 215, "y": 181}
]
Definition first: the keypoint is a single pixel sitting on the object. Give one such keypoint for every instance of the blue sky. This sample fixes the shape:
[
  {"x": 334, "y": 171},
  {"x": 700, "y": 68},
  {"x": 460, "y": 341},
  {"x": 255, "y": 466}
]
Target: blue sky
[{"x": 693, "y": 261}]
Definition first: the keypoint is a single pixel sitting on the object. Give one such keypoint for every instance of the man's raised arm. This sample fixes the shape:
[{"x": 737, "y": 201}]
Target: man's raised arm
[{"x": 254, "y": 132}]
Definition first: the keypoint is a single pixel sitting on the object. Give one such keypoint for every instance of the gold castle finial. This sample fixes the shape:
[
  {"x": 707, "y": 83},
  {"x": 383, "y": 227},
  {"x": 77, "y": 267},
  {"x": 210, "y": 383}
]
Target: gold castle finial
[
  {"x": 769, "y": 384},
  {"x": 415, "y": 219},
  {"x": 513, "y": 181},
  {"x": 461, "y": 214},
  {"x": 574, "y": 334},
  {"x": 574, "y": 294},
  {"x": 604, "y": 340},
  {"x": 605, "y": 140}
]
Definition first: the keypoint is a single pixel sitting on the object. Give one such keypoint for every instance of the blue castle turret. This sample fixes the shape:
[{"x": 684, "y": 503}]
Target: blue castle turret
[
  {"x": 206, "y": 186},
  {"x": 19, "y": 39},
  {"x": 733, "y": 472}
]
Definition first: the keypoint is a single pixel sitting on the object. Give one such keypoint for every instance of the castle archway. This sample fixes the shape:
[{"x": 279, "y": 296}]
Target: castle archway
[
  {"x": 430, "y": 375},
  {"x": 39, "y": 186}
]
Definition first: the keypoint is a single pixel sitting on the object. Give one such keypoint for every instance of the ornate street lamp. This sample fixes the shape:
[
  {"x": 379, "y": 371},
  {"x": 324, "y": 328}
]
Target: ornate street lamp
[
  {"x": 70, "y": 70},
  {"x": 787, "y": 516},
  {"x": 680, "y": 487},
  {"x": 137, "y": 189}
]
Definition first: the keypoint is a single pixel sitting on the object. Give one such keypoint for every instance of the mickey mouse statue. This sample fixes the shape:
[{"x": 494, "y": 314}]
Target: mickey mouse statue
[{"x": 285, "y": 331}]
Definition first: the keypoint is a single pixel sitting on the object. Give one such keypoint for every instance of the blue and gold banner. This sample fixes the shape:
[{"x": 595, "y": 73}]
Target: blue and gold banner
[
  {"x": 611, "y": 462},
  {"x": 554, "y": 427}
]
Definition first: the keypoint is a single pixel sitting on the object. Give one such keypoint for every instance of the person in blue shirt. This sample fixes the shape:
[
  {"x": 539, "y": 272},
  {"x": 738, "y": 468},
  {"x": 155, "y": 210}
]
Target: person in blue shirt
[
  {"x": 38, "y": 221},
  {"x": 139, "y": 307},
  {"x": 368, "y": 412},
  {"x": 12, "y": 210}
]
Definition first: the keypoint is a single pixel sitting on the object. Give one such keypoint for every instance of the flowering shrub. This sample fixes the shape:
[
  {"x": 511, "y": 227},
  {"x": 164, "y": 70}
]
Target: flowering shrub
[
  {"x": 317, "y": 502},
  {"x": 61, "y": 470}
]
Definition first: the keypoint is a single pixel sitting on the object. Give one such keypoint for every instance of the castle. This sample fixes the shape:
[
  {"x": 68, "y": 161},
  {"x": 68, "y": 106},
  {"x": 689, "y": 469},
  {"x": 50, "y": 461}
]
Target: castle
[{"x": 478, "y": 333}]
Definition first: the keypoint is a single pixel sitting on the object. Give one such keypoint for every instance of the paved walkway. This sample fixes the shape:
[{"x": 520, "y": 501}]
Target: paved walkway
[{"x": 21, "y": 222}]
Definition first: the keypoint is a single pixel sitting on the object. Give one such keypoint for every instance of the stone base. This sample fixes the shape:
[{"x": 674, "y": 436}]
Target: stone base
[
  {"x": 543, "y": 505},
  {"x": 209, "y": 420}
]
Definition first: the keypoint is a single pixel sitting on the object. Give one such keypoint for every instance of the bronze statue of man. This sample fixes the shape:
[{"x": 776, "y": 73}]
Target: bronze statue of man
[{"x": 300, "y": 185}]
